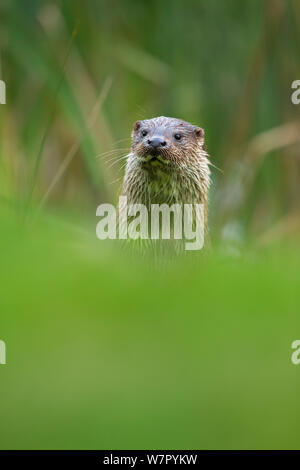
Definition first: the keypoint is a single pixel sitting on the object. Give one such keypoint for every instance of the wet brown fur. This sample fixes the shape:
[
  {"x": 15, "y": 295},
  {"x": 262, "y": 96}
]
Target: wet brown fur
[{"x": 182, "y": 177}]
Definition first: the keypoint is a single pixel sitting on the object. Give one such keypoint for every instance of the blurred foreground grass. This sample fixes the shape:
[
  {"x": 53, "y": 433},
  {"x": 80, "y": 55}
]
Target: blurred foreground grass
[{"x": 105, "y": 352}]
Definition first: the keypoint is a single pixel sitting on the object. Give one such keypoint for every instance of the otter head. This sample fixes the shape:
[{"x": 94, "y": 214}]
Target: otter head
[{"x": 167, "y": 142}]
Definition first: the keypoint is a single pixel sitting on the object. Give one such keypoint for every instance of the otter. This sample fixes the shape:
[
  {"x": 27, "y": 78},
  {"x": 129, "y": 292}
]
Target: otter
[{"x": 168, "y": 164}]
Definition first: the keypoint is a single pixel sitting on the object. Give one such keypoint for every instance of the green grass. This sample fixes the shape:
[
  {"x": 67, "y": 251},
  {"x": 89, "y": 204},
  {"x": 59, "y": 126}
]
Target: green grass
[
  {"x": 105, "y": 349},
  {"x": 105, "y": 352}
]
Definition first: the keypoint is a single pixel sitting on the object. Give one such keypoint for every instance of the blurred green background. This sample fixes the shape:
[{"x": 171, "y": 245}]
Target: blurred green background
[{"x": 105, "y": 350}]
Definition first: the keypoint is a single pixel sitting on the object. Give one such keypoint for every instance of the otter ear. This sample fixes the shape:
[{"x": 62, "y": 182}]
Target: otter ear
[
  {"x": 137, "y": 126},
  {"x": 199, "y": 133}
]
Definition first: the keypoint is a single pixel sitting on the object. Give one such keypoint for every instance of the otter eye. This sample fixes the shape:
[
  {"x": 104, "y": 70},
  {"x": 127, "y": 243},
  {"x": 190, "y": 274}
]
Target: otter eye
[
  {"x": 144, "y": 132},
  {"x": 177, "y": 136}
]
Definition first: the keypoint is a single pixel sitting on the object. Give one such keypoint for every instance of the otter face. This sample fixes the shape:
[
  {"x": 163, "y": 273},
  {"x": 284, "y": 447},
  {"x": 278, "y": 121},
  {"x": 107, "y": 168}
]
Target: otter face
[{"x": 166, "y": 141}]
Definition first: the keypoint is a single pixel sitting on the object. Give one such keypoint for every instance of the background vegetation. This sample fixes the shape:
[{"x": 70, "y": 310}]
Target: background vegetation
[{"x": 105, "y": 351}]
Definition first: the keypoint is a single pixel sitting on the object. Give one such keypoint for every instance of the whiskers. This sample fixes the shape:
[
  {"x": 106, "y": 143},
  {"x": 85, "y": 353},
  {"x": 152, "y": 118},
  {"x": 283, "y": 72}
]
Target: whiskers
[
  {"x": 116, "y": 156},
  {"x": 117, "y": 160},
  {"x": 109, "y": 153},
  {"x": 216, "y": 167},
  {"x": 113, "y": 157}
]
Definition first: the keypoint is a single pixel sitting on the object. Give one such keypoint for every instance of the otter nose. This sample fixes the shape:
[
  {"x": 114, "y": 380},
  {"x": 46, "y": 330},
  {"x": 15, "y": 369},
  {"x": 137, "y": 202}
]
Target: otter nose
[{"x": 157, "y": 142}]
